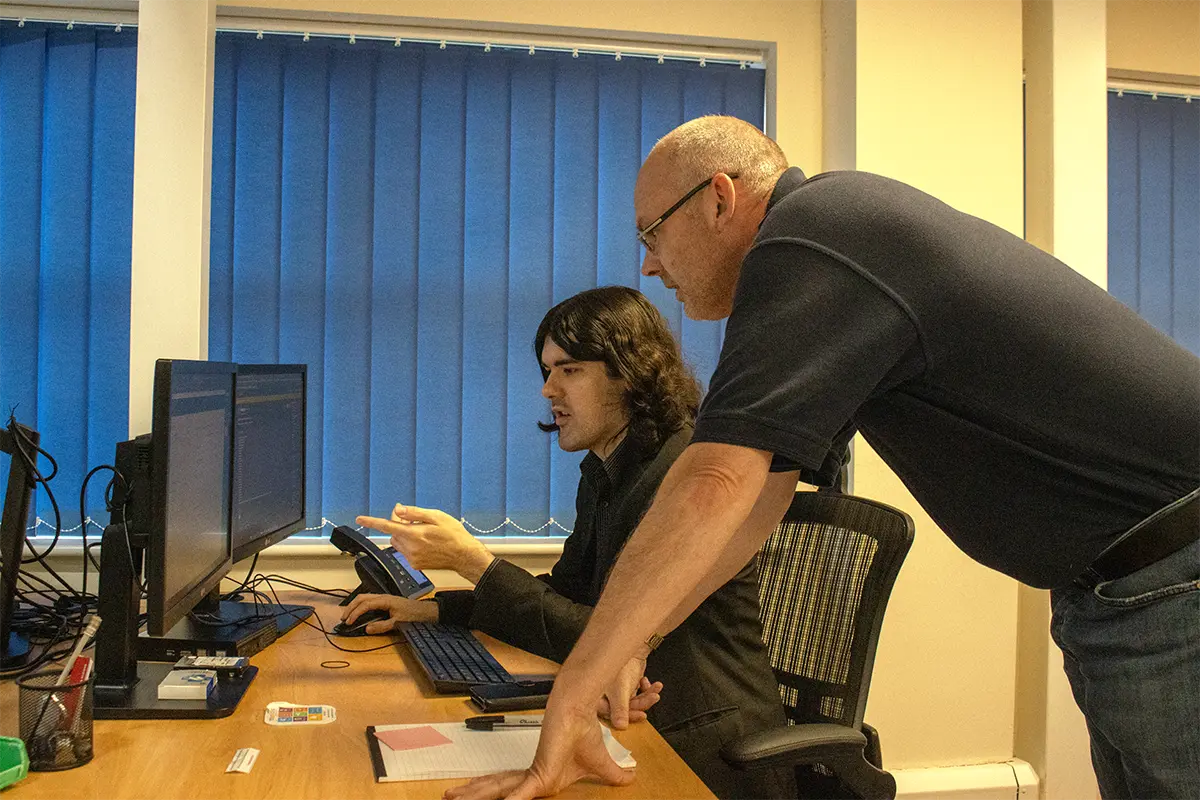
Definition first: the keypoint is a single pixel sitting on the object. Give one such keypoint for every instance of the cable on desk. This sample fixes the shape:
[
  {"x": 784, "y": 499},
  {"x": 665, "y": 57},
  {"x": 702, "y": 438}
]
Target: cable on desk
[
  {"x": 233, "y": 593},
  {"x": 321, "y": 626}
]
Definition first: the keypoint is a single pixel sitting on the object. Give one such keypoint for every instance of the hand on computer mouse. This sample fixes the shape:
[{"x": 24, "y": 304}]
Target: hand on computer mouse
[
  {"x": 385, "y": 611},
  {"x": 367, "y": 623}
]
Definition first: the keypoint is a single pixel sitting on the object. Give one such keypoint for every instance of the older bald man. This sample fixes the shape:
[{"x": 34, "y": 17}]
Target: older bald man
[{"x": 1047, "y": 429}]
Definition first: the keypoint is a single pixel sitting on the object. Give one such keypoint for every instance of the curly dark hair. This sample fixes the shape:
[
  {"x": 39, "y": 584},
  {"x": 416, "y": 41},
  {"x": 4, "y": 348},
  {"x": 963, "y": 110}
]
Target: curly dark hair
[{"x": 619, "y": 327}]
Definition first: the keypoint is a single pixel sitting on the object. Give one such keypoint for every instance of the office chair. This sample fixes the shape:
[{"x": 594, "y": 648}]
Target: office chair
[{"x": 825, "y": 575}]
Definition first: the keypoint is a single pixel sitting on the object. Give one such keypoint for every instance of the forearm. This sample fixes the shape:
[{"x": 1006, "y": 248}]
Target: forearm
[
  {"x": 701, "y": 507},
  {"x": 473, "y": 563},
  {"x": 773, "y": 502},
  {"x": 528, "y": 612}
]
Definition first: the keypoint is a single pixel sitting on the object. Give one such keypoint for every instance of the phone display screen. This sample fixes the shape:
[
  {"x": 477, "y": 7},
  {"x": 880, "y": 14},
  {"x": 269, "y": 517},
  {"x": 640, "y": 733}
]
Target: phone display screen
[
  {"x": 399, "y": 558},
  {"x": 412, "y": 582}
]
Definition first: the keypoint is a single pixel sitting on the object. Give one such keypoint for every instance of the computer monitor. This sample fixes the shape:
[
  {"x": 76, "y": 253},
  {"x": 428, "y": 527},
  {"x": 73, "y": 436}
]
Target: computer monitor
[
  {"x": 266, "y": 490},
  {"x": 268, "y": 455},
  {"x": 189, "y": 544},
  {"x": 268, "y": 480},
  {"x": 173, "y": 505},
  {"x": 14, "y": 648}
]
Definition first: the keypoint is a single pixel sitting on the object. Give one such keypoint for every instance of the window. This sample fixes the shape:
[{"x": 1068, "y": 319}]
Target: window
[
  {"x": 66, "y": 198},
  {"x": 1153, "y": 210},
  {"x": 400, "y": 218}
]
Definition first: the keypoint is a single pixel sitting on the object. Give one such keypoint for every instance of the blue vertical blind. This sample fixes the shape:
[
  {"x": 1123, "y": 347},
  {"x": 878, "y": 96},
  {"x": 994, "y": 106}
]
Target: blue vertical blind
[
  {"x": 66, "y": 195},
  {"x": 1154, "y": 211},
  {"x": 401, "y": 218}
]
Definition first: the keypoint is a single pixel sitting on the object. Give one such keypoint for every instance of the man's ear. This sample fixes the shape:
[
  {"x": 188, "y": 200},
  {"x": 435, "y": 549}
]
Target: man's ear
[{"x": 726, "y": 196}]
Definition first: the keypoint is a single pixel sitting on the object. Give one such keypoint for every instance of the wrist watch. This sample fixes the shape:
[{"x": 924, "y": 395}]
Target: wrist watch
[{"x": 654, "y": 641}]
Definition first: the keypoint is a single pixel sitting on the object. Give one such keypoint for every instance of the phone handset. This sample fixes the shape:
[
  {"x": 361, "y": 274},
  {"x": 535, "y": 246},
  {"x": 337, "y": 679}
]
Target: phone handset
[{"x": 382, "y": 570}]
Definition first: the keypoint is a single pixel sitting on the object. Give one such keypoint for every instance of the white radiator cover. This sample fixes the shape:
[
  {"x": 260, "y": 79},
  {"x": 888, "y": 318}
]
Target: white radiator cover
[{"x": 1005, "y": 780}]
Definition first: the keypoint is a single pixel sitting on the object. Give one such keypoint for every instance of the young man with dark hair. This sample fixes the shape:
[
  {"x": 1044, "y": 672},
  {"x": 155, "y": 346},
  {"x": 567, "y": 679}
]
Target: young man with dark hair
[{"x": 619, "y": 389}]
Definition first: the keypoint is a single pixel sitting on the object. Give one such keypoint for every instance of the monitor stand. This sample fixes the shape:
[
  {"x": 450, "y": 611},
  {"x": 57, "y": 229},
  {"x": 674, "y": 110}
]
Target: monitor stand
[
  {"x": 246, "y": 628},
  {"x": 125, "y": 688},
  {"x": 140, "y": 699}
]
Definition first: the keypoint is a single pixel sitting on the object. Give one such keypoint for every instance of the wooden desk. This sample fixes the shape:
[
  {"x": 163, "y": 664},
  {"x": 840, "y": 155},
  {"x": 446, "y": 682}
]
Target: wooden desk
[{"x": 158, "y": 759}]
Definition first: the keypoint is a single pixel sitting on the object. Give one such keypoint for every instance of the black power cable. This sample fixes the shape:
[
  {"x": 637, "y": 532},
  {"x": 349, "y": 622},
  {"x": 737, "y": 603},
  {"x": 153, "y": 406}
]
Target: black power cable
[{"x": 55, "y": 614}]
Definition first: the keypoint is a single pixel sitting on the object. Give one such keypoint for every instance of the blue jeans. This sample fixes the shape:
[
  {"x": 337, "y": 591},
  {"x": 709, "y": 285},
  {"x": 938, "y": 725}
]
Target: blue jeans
[{"x": 1131, "y": 650}]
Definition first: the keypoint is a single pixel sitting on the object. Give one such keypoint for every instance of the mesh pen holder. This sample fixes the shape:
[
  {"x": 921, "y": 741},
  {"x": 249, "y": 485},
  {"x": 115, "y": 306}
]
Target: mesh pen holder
[{"x": 56, "y": 721}]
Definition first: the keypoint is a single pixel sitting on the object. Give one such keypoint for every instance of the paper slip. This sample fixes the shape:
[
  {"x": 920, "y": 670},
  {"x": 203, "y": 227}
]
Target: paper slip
[
  {"x": 412, "y": 738},
  {"x": 469, "y": 753},
  {"x": 292, "y": 714},
  {"x": 243, "y": 760}
]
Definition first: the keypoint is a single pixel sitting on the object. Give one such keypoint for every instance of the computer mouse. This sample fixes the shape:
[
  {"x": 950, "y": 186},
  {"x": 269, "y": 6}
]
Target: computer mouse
[{"x": 359, "y": 626}]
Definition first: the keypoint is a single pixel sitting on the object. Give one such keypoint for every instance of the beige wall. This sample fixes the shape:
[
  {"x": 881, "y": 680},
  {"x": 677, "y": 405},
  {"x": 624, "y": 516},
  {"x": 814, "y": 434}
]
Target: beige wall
[
  {"x": 1066, "y": 184},
  {"x": 172, "y": 166},
  {"x": 1154, "y": 36}
]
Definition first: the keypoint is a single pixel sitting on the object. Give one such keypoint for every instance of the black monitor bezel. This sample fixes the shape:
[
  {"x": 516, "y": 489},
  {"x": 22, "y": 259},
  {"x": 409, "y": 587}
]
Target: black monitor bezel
[
  {"x": 265, "y": 540},
  {"x": 163, "y": 611},
  {"x": 14, "y": 516}
]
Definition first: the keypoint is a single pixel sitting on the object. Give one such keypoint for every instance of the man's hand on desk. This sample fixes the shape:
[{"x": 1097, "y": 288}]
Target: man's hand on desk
[
  {"x": 432, "y": 539},
  {"x": 570, "y": 749},
  {"x": 399, "y": 609}
]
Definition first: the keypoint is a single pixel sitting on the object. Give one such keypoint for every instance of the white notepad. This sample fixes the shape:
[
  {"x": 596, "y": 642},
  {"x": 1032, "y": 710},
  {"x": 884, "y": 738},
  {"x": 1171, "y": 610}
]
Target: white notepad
[{"x": 469, "y": 753}]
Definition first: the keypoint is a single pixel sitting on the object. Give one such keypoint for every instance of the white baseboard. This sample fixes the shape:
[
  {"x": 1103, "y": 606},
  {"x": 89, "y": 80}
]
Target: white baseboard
[{"x": 1006, "y": 780}]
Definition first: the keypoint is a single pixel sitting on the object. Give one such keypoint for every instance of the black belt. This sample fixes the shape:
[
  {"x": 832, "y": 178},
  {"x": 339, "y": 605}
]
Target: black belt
[{"x": 1156, "y": 537}]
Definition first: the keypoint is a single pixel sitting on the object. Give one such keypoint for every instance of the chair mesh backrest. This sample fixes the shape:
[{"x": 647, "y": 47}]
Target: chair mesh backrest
[{"x": 824, "y": 578}]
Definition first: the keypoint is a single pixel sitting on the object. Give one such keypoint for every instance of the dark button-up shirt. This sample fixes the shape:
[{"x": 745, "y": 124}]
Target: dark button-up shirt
[{"x": 713, "y": 663}]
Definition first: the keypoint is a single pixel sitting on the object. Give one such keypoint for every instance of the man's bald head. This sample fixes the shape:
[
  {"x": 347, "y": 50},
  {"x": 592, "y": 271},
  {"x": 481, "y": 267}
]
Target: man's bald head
[
  {"x": 698, "y": 251},
  {"x": 705, "y": 146}
]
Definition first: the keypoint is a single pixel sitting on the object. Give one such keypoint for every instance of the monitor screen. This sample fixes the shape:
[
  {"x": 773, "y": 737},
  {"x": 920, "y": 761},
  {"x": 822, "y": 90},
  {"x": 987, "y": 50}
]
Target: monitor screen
[
  {"x": 268, "y": 455},
  {"x": 191, "y": 451}
]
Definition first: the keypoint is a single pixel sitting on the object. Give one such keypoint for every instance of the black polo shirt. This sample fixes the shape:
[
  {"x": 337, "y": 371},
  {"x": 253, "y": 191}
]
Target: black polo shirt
[{"x": 1031, "y": 414}]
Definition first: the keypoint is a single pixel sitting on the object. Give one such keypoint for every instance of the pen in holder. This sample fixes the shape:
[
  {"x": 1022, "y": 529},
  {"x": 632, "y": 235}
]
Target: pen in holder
[
  {"x": 56, "y": 712},
  {"x": 56, "y": 720}
]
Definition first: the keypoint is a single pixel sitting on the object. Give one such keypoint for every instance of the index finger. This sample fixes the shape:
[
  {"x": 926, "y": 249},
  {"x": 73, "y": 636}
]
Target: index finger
[
  {"x": 381, "y": 525},
  {"x": 403, "y": 513}
]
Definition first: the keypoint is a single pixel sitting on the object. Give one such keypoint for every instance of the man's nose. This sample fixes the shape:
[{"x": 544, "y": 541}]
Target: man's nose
[
  {"x": 548, "y": 388},
  {"x": 650, "y": 265}
]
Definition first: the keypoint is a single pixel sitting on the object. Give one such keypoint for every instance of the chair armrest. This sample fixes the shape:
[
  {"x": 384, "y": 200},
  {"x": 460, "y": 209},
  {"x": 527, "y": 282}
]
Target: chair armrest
[
  {"x": 795, "y": 744},
  {"x": 839, "y": 749}
]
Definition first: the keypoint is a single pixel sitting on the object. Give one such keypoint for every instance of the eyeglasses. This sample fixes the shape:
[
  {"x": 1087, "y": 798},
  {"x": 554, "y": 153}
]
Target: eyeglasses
[{"x": 645, "y": 233}]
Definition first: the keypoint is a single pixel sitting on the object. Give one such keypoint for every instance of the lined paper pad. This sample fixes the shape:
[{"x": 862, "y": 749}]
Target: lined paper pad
[{"x": 471, "y": 753}]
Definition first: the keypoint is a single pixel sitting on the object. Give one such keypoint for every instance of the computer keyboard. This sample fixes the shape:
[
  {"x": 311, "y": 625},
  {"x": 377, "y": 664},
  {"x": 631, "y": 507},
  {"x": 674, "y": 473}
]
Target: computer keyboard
[{"x": 452, "y": 657}]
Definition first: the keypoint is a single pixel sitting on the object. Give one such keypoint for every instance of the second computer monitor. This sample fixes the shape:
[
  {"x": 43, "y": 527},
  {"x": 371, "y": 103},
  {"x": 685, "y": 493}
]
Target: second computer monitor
[
  {"x": 269, "y": 450},
  {"x": 188, "y": 550}
]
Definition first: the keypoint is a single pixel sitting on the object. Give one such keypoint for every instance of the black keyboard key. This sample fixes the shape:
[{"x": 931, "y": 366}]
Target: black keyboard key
[{"x": 452, "y": 657}]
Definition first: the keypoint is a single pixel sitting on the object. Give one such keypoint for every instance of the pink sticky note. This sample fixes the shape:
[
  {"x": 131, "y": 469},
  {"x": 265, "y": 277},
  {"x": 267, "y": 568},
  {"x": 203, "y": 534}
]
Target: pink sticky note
[{"x": 412, "y": 738}]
